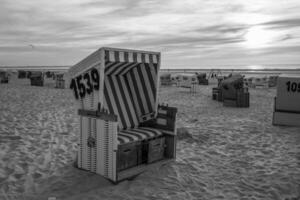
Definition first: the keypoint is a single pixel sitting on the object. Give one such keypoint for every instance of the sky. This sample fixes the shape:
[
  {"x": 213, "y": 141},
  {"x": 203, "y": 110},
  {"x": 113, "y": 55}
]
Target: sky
[{"x": 189, "y": 33}]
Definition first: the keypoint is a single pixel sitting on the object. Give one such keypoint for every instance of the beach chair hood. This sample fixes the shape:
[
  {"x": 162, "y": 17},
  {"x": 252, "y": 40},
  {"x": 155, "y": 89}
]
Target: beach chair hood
[{"x": 124, "y": 82}]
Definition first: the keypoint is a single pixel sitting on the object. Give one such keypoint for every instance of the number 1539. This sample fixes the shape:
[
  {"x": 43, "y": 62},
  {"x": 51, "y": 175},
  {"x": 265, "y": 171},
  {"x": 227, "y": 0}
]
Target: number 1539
[{"x": 85, "y": 84}]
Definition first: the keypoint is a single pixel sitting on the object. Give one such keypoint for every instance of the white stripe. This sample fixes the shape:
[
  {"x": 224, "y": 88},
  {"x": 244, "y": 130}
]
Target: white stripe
[
  {"x": 153, "y": 129},
  {"x": 147, "y": 83},
  {"x": 133, "y": 137},
  {"x": 130, "y": 57},
  {"x": 147, "y": 60},
  {"x": 126, "y": 140},
  {"x": 139, "y": 57},
  {"x": 154, "y": 57},
  {"x": 121, "y": 56},
  {"x": 129, "y": 68},
  {"x": 121, "y": 101},
  {"x": 135, "y": 100},
  {"x": 137, "y": 133},
  {"x": 141, "y": 91},
  {"x": 105, "y": 105},
  {"x": 115, "y": 65},
  {"x": 112, "y": 100},
  {"x": 144, "y": 132},
  {"x": 130, "y": 103},
  {"x": 111, "y": 56}
]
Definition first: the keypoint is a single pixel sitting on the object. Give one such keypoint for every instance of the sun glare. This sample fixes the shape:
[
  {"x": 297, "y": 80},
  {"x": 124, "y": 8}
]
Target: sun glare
[{"x": 258, "y": 37}]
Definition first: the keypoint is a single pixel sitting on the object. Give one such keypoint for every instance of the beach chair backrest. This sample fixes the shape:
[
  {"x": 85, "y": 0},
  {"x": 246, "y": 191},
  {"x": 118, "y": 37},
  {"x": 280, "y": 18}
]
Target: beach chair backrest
[{"x": 125, "y": 83}]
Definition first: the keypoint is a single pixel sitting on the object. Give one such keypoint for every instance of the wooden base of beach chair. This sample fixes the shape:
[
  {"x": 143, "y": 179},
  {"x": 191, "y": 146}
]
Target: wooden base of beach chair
[
  {"x": 217, "y": 94},
  {"x": 60, "y": 84},
  {"x": 243, "y": 99},
  {"x": 286, "y": 118},
  {"x": 36, "y": 82},
  {"x": 158, "y": 156}
]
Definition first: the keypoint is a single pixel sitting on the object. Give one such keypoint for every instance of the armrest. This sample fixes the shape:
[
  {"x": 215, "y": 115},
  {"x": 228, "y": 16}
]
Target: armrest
[
  {"x": 165, "y": 120},
  {"x": 104, "y": 115}
]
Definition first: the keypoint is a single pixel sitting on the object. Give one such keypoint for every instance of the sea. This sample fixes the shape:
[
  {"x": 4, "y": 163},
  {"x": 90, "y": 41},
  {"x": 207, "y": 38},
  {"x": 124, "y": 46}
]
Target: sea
[{"x": 222, "y": 70}]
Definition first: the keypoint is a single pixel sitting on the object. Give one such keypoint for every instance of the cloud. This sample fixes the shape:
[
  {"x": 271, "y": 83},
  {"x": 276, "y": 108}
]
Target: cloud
[
  {"x": 213, "y": 30},
  {"x": 284, "y": 23}
]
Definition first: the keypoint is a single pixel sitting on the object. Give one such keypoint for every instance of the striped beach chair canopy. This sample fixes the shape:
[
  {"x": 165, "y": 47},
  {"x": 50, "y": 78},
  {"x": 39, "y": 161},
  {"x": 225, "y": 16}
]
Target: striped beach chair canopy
[{"x": 128, "y": 82}]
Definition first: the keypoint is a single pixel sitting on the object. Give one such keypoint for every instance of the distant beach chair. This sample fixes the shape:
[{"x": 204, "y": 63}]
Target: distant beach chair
[
  {"x": 260, "y": 82},
  {"x": 202, "y": 80},
  {"x": 36, "y": 78},
  {"x": 4, "y": 77},
  {"x": 165, "y": 80},
  {"x": 189, "y": 81},
  {"x": 233, "y": 91},
  {"x": 287, "y": 101},
  {"x": 273, "y": 81},
  {"x": 59, "y": 81},
  {"x": 123, "y": 129},
  {"x": 22, "y": 74}
]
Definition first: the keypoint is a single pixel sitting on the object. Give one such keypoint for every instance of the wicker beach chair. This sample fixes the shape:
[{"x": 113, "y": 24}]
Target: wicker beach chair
[
  {"x": 123, "y": 129},
  {"x": 36, "y": 79},
  {"x": 60, "y": 81}
]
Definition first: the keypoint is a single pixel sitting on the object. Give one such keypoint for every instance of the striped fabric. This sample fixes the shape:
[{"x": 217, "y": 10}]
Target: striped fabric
[
  {"x": 137, "y": 134},
  {"x": 130, "y": 86}
]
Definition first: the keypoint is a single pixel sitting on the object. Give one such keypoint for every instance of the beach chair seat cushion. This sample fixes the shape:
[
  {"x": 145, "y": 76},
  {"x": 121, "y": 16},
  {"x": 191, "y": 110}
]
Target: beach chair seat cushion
[{"x": 137, "y": 134}]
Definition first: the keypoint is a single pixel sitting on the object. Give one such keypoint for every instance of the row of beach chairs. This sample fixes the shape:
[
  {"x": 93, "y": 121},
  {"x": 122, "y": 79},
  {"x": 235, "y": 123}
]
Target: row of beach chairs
[{"x": 38, "y": 78}]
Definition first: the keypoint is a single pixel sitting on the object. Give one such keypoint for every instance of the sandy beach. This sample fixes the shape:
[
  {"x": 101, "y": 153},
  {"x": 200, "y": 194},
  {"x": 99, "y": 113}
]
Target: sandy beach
[{"x": 222, "y": 152}]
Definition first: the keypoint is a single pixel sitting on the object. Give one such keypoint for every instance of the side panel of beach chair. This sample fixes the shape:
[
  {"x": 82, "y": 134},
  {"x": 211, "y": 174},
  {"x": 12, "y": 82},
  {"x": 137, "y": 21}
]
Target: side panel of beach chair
[{"x": 287, "y": 102}]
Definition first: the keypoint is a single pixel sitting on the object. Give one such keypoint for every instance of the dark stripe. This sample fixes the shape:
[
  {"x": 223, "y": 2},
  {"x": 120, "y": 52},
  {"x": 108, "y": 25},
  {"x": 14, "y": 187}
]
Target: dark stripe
[
  {"x": 142, "y": 78},
  {"x": 108, "y": 102},
  {"x": 117, "y": 68},
  {"x": 106, "y": 55},
  {"x": 155, "y": 68},
  {"x": 109, "y": 65},
  {"x": 140, "y": 102},
  {"x": 135, "y": 134},
  {"x": 143, "y": 58},
  {"x": 135, "y": 57},
  {"x": 150, "y": 58},
  {"x": 126, "y": 56},
  {"x": 117, "y": 100},
  {"x": 131, "y": 97},
  {"x": 125, "y": 68},
  {"x": 121, "y": 141},
  {"x": 152, "y": 131},
  {"x": 117, "y": 56},
  {"x": 130, "y": 138},
  {"x": 152, "y": 79},
  {"x": 128, "y": 113}
]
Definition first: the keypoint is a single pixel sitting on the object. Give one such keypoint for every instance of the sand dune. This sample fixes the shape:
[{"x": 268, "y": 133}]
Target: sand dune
[{"x": 222, "y": 152}]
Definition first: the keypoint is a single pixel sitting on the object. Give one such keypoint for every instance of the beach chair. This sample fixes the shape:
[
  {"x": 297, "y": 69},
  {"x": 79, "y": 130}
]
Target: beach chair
[
  {"x": 287, "y": 102},
  {"x": 3, "y": 77},
  {"x": 60, "y": 81},
  {"x": 165, "y": 80},
  {"x": 234, "y": 93},
  {"x": 36, "y": 79},
  {"x": 123, "y": 130},
  {"x": 202, "y": 80},
  {"x": 21, "y": 74}
]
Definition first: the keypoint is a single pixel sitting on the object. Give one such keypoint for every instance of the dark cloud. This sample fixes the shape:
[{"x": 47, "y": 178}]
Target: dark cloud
[{"x": 283, "y": 24}]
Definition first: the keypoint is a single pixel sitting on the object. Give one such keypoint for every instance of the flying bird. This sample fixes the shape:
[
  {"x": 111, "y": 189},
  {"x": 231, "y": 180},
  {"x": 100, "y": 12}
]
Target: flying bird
[{"x": 32, "y": 46}]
